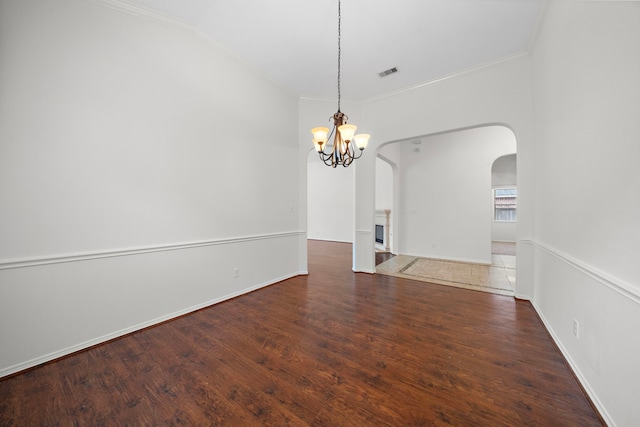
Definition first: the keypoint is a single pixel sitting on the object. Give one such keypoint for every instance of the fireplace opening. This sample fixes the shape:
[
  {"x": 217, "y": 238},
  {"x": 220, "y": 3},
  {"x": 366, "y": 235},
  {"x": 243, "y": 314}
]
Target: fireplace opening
[{"x": 380, "y": 234}]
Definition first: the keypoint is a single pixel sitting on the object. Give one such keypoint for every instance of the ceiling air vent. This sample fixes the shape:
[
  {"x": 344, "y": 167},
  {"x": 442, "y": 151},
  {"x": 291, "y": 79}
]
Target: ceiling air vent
[{"x": 385, "y": 73}]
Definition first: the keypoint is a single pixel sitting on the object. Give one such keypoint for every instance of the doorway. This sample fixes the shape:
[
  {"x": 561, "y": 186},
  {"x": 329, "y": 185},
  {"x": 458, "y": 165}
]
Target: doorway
[{"x": 443, "y": 211}]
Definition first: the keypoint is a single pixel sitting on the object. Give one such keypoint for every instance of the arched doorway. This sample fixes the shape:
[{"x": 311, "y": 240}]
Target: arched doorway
[{"x": 444, "y": 208}]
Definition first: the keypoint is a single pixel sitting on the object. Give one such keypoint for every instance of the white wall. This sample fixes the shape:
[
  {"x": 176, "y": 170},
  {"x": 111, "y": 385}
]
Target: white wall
[
  {"x": 384, "y": 185},
  {"x": 504, "y": 171},
  {"x": 138, "y": 168},
  {"x": 445, "y": 206},
  {"x": 587, "y": 231},
  {"x": 497, "y": 94},
  {"x": 504, "y": 174},
  {"x": 330, "y": 201}
]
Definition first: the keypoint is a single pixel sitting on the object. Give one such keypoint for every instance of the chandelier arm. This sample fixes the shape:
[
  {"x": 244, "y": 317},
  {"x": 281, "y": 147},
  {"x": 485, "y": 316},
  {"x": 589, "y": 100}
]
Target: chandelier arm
[
  {"x": 325, "y": 160},
  {"x": 328, "y": 158},
  {"x": 350, "y": 160},
  {"x": 333, "y": 130},
  {"x": 359, "y": 155},
  {"x": 335, "y": 157},
  {"x": 324, "y": 156}
]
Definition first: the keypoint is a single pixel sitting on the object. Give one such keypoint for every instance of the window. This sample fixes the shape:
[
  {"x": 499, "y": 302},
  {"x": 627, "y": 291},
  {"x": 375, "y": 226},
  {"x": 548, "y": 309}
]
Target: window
[{"x": 504, "y": 204}]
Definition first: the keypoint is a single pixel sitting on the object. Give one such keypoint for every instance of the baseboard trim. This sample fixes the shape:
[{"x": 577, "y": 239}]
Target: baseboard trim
[
  {"x": 574, "y": 367},
  {"x": 17, "y": 368},
  {"x": 31, "y": 262}
]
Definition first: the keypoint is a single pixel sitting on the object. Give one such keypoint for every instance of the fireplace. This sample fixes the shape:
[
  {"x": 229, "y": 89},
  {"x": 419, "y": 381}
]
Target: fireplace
[
  {"x": 383, "y": 228},
  {"x": 379, "y": 233}
]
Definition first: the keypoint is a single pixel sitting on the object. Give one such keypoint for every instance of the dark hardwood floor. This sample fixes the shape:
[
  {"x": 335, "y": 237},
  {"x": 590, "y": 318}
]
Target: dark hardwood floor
[
  {"x": 333, "y": 348},
  {"x": 383, "y": 256}
]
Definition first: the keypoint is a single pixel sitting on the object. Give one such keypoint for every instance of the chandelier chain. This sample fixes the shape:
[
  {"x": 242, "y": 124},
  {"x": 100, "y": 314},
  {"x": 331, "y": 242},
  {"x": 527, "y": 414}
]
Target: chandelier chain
[
  {"x": 346, "y": 147},
  {"x": 339, "y": 52}
]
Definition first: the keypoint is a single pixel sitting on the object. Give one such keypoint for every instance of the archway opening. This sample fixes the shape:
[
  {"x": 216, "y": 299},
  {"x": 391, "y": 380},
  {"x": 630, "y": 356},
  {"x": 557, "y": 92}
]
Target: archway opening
[{"x": 444, "y": 203}]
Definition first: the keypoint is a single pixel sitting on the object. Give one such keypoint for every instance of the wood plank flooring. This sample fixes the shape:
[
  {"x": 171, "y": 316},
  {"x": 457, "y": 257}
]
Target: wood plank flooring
[{"x": 333, "y": 348}]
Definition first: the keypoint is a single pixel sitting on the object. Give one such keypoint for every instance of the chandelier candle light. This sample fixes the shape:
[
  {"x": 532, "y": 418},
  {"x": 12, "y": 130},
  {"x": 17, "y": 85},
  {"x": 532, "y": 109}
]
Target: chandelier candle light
[{"x": 343, "y": 151}]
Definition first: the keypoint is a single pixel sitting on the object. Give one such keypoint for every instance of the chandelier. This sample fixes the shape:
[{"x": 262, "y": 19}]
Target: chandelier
[{"x": 343, "y": 151}]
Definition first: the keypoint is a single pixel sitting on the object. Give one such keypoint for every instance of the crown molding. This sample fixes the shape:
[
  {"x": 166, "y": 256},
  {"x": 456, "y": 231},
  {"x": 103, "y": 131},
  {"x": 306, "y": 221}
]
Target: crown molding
[
  {"x": 145, "y": 13},
  {"x": 469, "y": 70}
]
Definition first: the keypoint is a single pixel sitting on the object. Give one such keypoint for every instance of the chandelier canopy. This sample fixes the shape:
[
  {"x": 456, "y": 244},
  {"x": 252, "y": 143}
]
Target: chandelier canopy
[{"x": 343, "y": 151}]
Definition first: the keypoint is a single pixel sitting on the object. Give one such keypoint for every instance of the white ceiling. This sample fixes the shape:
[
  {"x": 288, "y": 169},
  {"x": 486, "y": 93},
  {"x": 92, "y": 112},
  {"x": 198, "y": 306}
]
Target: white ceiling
[{"x": 295, "y": 41}]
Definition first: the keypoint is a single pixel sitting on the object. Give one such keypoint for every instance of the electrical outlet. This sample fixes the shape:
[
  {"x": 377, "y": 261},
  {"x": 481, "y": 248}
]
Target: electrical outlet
[
  {"x": 236, "y": 272},
  {"x": 575, "y": 328}
]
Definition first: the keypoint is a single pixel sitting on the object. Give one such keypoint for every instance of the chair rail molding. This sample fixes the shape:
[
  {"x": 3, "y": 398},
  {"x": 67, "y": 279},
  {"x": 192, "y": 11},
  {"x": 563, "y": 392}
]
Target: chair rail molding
[
  {"x": 620, "y": 286},
  {"x": 84, "y": 256}
]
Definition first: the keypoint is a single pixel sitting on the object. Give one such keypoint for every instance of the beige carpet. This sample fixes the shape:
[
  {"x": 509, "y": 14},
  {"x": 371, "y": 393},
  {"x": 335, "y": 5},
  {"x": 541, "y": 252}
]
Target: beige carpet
[{"x": 498, "y": 278}]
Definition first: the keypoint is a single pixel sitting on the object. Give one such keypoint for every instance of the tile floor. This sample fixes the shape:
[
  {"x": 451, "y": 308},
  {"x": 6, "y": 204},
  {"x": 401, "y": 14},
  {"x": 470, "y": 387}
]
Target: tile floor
[{"x": 499, "y": 277}]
